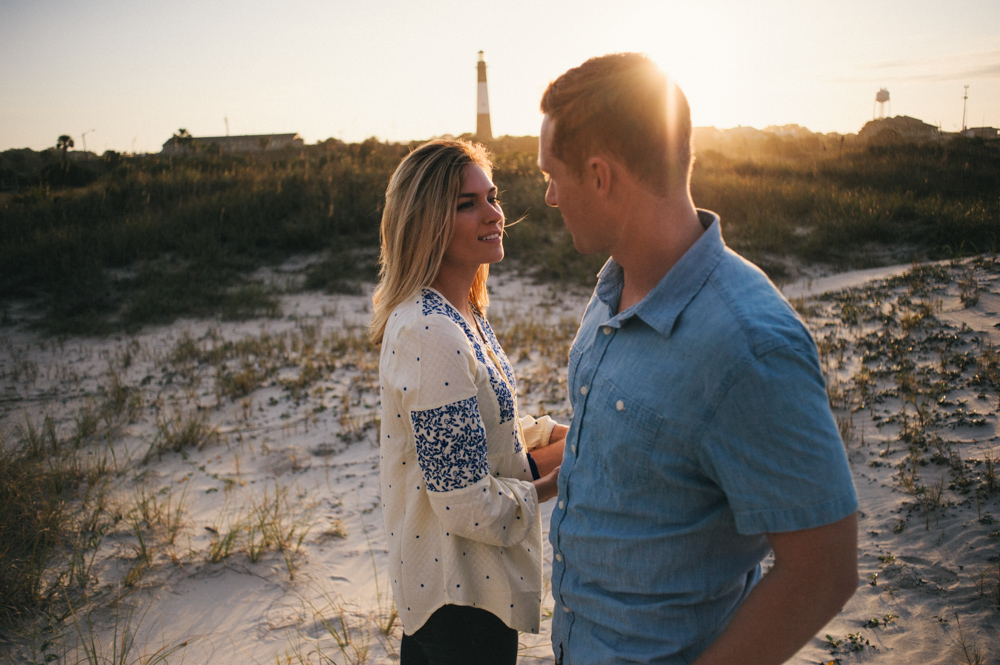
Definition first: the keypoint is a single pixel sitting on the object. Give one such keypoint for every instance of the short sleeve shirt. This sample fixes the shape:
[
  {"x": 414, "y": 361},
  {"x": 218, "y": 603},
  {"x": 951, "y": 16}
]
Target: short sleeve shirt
[
  {"x": 700, "y": 424},
  {"x": 461, "y": 514}
]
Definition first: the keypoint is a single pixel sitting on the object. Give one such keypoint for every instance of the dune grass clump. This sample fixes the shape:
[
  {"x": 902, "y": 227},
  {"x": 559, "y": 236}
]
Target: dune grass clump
[
  {"x": 32, "y": 520},
  {"x": 270, "y": 522},
  {"x": 54, "y": 513},
  {"x": 179, "y": 432}
]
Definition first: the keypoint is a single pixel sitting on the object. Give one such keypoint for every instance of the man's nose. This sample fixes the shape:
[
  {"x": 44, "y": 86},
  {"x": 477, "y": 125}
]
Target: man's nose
[{"x": 550, "y": 195}]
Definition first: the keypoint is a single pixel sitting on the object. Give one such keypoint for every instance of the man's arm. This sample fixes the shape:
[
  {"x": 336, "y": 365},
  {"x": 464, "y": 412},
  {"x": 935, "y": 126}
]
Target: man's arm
[{"x": 815, "y": 573}]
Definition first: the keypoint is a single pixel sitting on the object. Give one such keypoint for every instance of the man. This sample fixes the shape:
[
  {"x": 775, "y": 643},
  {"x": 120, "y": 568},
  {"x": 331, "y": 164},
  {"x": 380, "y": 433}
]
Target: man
[{"x": 702, "y": 437}]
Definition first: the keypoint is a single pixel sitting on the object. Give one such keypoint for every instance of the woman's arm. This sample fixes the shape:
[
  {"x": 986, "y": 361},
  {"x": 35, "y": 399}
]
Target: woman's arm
[
  {"x": 434, "y": 379},
  {"x": 558, "y": 434},
  {"x": 547, "y": 486},
  {"x": 548, "y": 457}
]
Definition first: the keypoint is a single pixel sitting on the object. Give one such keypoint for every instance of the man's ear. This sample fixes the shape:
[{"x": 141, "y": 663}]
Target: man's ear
[{"x": 599, "y": 172}]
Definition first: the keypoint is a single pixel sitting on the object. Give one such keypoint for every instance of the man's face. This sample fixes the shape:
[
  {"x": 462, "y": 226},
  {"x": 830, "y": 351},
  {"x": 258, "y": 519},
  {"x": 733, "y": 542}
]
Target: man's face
[{"x": 569, "y": 192}]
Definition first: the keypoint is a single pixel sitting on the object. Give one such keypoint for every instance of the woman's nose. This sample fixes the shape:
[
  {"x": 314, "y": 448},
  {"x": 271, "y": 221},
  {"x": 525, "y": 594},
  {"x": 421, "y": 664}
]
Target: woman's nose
[{"x": 496, "y": 214}]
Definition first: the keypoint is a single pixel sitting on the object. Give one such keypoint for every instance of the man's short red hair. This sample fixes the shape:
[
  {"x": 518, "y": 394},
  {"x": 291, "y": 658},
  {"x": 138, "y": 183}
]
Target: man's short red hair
[{"x": 622, "y": 105}]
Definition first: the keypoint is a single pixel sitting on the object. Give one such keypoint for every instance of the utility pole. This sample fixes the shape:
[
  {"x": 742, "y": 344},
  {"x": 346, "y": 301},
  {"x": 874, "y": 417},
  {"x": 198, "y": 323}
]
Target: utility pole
[
  {"x": 965, "y": 105},
  {"x": 84, "y": 138}
]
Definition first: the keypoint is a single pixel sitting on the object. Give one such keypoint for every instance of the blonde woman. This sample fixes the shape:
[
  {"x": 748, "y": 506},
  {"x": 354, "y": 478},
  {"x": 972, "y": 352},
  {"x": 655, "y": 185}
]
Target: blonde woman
[{"x": 460, "y": 492}]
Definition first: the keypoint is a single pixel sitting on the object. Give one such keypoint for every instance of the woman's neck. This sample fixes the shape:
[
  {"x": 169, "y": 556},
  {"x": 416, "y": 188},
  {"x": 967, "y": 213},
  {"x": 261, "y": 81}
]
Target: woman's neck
[{"x": 455, "y": 288}]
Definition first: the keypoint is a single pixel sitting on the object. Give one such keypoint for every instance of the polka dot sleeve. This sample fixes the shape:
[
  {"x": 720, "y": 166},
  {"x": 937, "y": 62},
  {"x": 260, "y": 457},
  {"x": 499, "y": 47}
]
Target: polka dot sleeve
[{"x": 434, "y": 376}]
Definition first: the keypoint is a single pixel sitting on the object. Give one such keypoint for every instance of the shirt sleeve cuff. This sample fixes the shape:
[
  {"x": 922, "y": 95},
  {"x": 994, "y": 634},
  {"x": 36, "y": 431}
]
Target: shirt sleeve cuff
[
  {"x": 796, "y": 518},
  {"x": 537, "y": 431}
]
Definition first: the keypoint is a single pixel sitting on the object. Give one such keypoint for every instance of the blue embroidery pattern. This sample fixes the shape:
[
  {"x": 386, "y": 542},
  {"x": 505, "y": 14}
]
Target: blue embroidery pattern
[
  {"x": 491, "y": 339},
  {"x": 451, "y": 445},
  {"x": 435, "y": 304}
]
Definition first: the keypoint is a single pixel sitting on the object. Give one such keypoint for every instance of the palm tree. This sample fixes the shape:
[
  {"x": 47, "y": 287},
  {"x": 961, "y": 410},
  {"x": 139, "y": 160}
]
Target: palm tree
[
  {"x": 183, "y": 139},
  {"x": 64, "y": 144}
]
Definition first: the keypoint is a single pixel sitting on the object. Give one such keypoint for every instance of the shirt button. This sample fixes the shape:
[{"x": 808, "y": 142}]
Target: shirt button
[
  {"x": 558, "y": 557},
  {"x": 565, "y": 609},
  {"x": 561, "y": 505},
  {"x": 583, "y": 390},
  {"x": 607, "y": 330},
  {"x": 620, "y": 405},
  {"x": 573, "y": 448}
]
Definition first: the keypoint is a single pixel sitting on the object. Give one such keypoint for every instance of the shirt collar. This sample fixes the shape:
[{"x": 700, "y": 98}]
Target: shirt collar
[{"x": 661, "y": 306}]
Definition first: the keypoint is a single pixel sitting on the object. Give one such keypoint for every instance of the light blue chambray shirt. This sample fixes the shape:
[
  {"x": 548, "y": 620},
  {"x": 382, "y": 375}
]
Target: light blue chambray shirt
[{"x": 700, "y": 423}]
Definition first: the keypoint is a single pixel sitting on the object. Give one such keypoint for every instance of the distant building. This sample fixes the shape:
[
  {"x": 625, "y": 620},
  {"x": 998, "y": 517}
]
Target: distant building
[
  {"x": 982, "y": 133},
  {"x": 247, "y": 143},
  {"x": 898, "y": 128}
]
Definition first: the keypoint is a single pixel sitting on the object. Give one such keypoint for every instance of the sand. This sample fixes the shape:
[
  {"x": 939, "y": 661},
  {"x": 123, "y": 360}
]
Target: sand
[{"x": 281, "y": 419}]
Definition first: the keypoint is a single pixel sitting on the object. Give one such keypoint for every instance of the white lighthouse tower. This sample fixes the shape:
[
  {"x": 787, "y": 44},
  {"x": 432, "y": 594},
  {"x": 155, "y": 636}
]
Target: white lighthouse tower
[{"x": 483, "y": 130}]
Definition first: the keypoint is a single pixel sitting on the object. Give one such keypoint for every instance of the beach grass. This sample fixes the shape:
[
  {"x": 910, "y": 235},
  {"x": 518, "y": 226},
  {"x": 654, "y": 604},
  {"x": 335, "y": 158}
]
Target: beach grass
[{"x": 154, "y": 238}]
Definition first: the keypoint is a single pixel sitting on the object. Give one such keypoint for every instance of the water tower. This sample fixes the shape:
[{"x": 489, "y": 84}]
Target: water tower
[
  {"x": 882, "y": 98},
  {"x": 483, "y": 130}
]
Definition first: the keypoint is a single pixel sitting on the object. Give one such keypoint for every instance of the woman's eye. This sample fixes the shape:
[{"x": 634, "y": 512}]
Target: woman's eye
[
  {"x": 465, "y": 205},
  {"x": 495, "y": 200}
]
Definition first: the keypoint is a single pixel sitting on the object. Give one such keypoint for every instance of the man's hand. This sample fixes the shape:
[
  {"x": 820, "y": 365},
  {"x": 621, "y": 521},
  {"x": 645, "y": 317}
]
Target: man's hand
[{"x": 815, "y": 573}]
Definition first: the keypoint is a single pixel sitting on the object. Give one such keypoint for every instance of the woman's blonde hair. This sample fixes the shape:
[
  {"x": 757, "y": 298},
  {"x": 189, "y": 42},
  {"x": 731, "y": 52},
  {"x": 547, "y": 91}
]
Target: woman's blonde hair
[{"x": 417, "y": 225}]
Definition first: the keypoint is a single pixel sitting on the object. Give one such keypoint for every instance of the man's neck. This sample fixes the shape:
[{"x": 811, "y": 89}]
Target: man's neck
[{"x": 656, "y": 234}]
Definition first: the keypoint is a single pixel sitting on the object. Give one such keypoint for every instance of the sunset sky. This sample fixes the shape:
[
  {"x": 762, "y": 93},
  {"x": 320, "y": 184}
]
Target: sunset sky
[{"x": 130, "y": 73}]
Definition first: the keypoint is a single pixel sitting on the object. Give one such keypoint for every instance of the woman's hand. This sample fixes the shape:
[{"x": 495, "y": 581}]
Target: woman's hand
[{"x": 547, "y": 486}]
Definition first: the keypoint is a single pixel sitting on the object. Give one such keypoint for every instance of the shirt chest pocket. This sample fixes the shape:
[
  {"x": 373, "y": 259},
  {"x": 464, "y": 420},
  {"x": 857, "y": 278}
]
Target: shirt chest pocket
[{"x": 622, "y": 434}]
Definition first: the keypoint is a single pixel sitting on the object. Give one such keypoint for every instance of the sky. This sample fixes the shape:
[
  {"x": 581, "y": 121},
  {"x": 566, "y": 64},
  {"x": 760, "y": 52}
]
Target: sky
[{"x": 125, "y": 75}]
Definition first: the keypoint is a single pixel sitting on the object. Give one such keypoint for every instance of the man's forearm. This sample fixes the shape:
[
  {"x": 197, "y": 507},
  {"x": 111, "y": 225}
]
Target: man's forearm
[{"x": 814, "y": 575}]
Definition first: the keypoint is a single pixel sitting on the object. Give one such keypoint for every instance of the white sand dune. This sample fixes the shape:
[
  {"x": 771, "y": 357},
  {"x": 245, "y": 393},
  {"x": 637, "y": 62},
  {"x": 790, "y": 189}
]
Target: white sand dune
[{"x": 287, "y": 412}]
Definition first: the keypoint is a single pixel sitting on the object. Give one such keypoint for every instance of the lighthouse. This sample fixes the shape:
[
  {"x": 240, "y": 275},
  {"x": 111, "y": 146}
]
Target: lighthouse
[{"x": 483, "y": 130}]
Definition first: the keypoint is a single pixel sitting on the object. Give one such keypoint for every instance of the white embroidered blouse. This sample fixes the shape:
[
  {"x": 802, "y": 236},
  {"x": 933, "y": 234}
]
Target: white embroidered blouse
[{"x": 460, "y": 511}]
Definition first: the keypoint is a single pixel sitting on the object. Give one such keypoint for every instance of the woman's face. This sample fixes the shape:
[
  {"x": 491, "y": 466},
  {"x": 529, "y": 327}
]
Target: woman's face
[{"x": 478, "y": 234}]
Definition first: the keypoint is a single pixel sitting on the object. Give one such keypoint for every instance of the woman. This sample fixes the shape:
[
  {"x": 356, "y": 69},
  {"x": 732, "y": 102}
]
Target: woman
[{"x": 460, "y": 496}]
